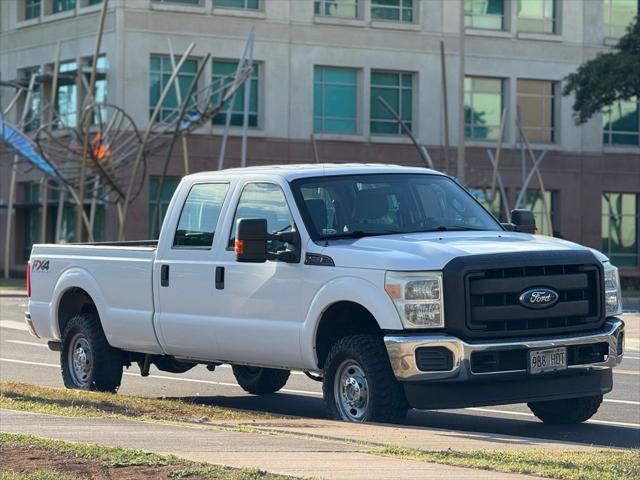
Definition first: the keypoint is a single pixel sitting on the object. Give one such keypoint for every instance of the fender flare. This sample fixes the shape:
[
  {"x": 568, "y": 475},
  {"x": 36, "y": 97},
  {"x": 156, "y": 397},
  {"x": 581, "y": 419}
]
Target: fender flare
[
  {"x": 347, "y": 289},
  {"x": 76, "y": 277}
]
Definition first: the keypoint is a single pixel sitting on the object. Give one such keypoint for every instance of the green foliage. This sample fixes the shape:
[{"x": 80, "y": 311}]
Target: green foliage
[{"x": 608, "y": 78}]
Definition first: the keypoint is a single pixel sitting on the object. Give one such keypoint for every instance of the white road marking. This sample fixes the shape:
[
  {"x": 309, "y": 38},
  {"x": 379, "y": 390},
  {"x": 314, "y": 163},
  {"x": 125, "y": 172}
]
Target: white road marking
[
  {"x": 13, "y": 325},
  {"x": 31, "y": 344},
  {"x": 627, "y": 357},
  {"x": 318, "y": 394}
]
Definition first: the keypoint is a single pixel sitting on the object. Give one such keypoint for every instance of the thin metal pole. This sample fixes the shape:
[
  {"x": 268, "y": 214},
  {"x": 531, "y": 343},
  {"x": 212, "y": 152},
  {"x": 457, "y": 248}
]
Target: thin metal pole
[
  {"x": 443, "y": 68},
  {"x": 44, "y": 200},
  {"x": 87, "y": 124},
  {"x": 59, "y": 214},
  {"x": 185, "y": 150},
  {"x": 316, "y": 157},
  {"x": 54, "y": 86},
  {"x": 496, "y": 164},
  {"x": 245, "y": 117},
  {"x": 461, "y": 153},
  {"x": 9, "y": 222}
]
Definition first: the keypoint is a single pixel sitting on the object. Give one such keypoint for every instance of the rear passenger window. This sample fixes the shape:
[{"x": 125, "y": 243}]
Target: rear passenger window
[
  {"x": 264, "y": 200},
  {"x": 199, "y": 216}
]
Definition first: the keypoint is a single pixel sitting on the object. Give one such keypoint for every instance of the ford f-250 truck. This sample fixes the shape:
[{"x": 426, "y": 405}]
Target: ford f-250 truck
[{"x": 392, "y": 285}]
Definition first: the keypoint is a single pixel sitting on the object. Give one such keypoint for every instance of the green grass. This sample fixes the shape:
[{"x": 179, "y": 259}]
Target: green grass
[
  {"x": 114, "y": 457},
  {"x": 566, "y": 465},
  {"x": 76, "y": 403},
  {"x": 13, "y": 284}
]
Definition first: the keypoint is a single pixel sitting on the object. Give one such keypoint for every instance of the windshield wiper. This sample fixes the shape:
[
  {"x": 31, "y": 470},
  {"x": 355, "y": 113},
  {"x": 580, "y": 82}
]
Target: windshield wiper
[{"x": 453, "y": 228}]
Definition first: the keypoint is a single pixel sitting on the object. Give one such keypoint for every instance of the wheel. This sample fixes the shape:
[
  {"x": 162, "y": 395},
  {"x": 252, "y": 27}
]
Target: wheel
[
  {"x": 571, "y": 410},
  {"x": 88, "y": 361},
  {"x": 258, "y": 380},
  {"x": 359, "y": 385}
]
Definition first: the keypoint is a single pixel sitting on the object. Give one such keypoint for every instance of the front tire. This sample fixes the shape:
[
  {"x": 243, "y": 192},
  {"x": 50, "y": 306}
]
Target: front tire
[
  {"x": 88, "y": 361},
  {"x": 359, "y": 385},
  {"x": 569, "y": 411},
  {"x": 260, "y": 381}
]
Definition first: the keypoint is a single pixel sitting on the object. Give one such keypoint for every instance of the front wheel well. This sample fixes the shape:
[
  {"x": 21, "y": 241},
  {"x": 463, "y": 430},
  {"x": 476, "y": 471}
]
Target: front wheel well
[
  {"x": 75, "y": 301},
  {"x": 342, "y": 319}
]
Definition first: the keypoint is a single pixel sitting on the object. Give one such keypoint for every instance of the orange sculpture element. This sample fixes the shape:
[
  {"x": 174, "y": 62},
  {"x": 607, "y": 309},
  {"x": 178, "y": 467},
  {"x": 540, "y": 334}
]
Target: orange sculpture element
[{"x": 99, "y": 151}]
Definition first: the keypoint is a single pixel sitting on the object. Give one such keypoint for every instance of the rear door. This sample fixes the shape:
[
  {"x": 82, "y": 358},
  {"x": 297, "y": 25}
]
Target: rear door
[{"x": 189, "y": 304}]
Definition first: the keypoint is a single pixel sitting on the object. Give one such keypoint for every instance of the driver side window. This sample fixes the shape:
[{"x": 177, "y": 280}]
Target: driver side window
[{"x": 264, "y": 200}]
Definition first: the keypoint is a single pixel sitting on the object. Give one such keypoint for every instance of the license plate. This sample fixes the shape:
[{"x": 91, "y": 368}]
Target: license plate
[{"x": 549, "y": 360}]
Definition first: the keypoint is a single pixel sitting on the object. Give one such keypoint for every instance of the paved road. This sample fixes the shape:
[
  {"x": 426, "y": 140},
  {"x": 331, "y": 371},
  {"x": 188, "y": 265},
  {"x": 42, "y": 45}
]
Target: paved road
[{"x": 27, "y": 359}]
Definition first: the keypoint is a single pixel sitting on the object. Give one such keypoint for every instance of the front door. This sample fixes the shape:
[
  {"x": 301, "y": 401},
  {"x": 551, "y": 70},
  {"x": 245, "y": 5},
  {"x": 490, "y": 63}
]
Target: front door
[{"x": 189, "y": 299}]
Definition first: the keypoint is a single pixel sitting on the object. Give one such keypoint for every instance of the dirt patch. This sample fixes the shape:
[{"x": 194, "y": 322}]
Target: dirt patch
[{"x": 25, "y": 459}]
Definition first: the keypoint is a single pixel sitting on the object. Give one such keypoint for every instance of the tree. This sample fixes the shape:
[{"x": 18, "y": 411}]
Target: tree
[{"x": 608, "y": 78}]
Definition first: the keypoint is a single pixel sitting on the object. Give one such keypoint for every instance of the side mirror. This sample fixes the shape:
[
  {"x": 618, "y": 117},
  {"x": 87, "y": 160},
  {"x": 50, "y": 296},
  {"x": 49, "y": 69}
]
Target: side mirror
[
  {"x": 524, "y": 221},
  {"x": 252, "y": 238}
]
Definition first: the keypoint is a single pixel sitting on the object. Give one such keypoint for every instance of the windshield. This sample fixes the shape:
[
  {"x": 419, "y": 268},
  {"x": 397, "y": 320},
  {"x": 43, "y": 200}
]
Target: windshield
[{"x": 382, "y": 204}]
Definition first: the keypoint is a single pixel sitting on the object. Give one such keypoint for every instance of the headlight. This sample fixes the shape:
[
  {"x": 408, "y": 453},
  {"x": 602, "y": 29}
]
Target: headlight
[
  {"x": 417, "y": 297},
  {"x": 612, "y": 293}
]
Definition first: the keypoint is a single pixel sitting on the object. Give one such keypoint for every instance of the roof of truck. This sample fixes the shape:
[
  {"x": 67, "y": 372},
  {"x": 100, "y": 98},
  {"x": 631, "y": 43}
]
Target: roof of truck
[{"x": 291, "y": 172}]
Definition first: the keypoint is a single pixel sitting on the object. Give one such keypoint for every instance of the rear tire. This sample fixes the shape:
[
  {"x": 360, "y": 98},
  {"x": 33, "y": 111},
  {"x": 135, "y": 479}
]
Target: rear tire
[
  {"x": 88, "y": 361},
  {"x": 260, "y": 381},
  {"x": 571, "y": 410},
  {"x": 359, "y": 385}
]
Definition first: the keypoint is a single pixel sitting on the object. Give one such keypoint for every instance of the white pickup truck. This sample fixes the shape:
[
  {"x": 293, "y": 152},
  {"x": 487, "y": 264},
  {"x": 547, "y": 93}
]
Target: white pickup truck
[{"x": 390, "y": 284}]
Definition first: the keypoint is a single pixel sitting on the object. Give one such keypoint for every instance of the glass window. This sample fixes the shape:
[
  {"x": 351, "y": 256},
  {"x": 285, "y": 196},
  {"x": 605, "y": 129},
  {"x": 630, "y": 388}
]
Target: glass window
[
  {"x": 94, "y": 2},
  {"x": 483, "y": 106},
  {"x": 63, "y": 5},
  {"x": 336, "y": 8},
  {"x": 199, "y": 216},
  {"x": 621, "y": 123},
  {"x": 392, "y": 10},
  {"x": 224, "y": 71},
  {"x": 533, "y": 201},
  {"x": 66, "y": 98},
  {"x": 159, "y": 74},
  {"x": 618, "y": 14},
  {"x": 168, "y": 187},
  {"x": 31, "y": 9},
  {"x": 487, "y": 14},
  {"x": 396, "y": 88},
  {"x": 237, "y": 4},
  {"x": 366, "y": 205},
  {"x": 264, "y": 200},
  {"x": 537, "y": 16},
  {"x": 620, "y": 224},
  {"x": 335, "y": 100},
  {"x": 536, "y": 104}
]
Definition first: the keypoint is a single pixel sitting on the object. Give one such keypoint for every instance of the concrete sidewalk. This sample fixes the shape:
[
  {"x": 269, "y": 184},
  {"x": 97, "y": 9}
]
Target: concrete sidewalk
[{"x": 284, "y": 454}]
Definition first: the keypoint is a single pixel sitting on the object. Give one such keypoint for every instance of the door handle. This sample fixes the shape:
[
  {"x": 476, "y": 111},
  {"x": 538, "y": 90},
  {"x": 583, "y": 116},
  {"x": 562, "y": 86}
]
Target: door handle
[
  {"x": 164, "y": 275},
  {"x": 219, "y": 278}
]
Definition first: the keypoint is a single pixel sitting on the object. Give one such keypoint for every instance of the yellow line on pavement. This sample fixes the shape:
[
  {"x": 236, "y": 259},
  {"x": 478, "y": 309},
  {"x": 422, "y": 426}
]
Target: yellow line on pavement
[{"x": 626, "y": 372}]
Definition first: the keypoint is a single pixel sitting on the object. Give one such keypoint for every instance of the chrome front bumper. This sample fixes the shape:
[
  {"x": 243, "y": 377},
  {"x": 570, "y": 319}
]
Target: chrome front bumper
[
  {"x": 29, "y": 322},
  {"x": 402, "y": 352}
]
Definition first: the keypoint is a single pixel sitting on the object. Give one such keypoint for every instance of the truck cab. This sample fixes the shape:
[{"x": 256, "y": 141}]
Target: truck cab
[{"x": 392, "y": 285}]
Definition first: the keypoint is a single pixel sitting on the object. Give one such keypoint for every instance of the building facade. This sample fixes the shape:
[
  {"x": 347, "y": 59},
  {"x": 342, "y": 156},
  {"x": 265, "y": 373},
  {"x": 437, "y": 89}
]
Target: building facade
[{"x": 320, "y": 67}]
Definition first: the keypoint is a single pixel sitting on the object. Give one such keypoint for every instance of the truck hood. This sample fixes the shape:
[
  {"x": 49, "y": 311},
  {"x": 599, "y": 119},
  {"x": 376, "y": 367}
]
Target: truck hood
[{"x": 433, "y": 250}]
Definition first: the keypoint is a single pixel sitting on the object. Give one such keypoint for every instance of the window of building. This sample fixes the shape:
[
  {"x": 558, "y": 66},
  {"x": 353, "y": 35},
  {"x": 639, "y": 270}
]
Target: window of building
[
  {"x": 94, "y": 2},
  {"x": 620, "y": 226},
  {"x": 66, "y": 97},
  {"x": 335, "y": 100},
  {"x": 237, "y": 4},
  {"x": 223, "y": 70},
  {"x": 618, "y": 14},
  {"x": 392, "y": 10},
  {"x": 62, "y": 5},
  {"x": 537, "y": 16},
  {"x": 31, "y": 209},
  {"x": 621, "y": 123},
  {"x": 536, "y": 106},
  {"x": 534, "y": 201},
  {"x": 483, "y": 104},
  {"x": 31, "y": 9},
  {"x": 168, "y": 187},
  {"x": 487, "y": 14},
  {"x": 336, "y": 8},
  {"x": 396, "y": 88},
  {"x": 199, "y": 216},
  {"x": 160, "y": 70},
  {"x": 264, "y": 200}
]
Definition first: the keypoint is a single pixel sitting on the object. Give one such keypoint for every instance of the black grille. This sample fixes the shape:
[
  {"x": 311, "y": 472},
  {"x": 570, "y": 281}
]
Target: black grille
[{"x": 493, "y": 299}]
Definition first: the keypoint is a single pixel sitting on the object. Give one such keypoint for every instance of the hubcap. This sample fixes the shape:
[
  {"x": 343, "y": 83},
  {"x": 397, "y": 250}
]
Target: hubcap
[
  {"x": 80, "y": 360},
  {"x": 351, "y": 391}
]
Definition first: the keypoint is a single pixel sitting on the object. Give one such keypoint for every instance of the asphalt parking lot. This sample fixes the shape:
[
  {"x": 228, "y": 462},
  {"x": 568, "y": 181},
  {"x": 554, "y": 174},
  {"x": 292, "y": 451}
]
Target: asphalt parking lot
[{"x": 27, "y": 359}]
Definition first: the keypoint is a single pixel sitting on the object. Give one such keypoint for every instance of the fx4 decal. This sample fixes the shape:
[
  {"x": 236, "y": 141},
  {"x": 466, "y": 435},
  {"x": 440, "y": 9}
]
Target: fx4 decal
[{"x": 40, "y": 266}]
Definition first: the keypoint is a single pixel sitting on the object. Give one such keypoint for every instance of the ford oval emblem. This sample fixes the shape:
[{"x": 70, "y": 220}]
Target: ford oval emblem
[{"x": 538, "y": 298}]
